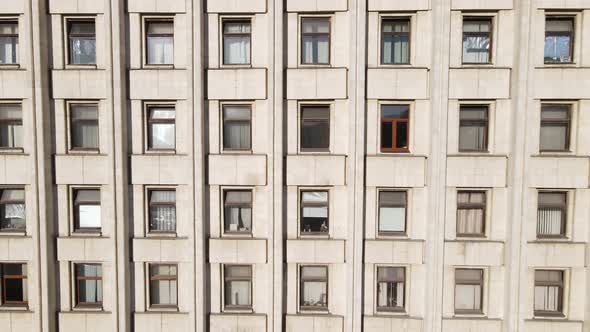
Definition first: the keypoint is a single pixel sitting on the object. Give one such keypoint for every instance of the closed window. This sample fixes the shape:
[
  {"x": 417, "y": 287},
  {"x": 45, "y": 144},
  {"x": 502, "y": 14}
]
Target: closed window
[
  {"x": 555, "y": 127},
  {"x": 559, "y": 39},
  {"x": 82, "y": 42},
  {"x": 11, "y": 126},
  {"x": 14, "y": 284},
  {"x": 313, "y": 288},
  {"x": 237, "y": 212},
  {"x": 315, "y": 128},
  {"x": 314, "y": 212},
  {"x": 237, "y": 127},
  {"x": 468, "y": 291},
  {"x": 161, "y": 128},
  {"x": 8, "y": 42},
  {"x": 473, "y": 128},
  {"x": 237, "y": 35},
  {"x": 237, "y": 286},
  {"x": 315, "y": 41},
  {"x": 548, "y": 293},
  {"x": 392, "y": 212},
  {"x": 87, "y": 210},
  {"x": 471, "y": 213},
  {"x": 12, "y": 210},
  {"x": 88, "y": 284},
  {"x": 395, "y": 128},
  {"x": 551, "y": 214},
  {"x": 84, "y": 127},
  {"x": 477, "y": 40},
  {"x": 160, "y": 42},
  {"x": 391, "y": 285},
  {"x": 162, "y": 211},
  {"x": 395, "y": 41},
  {"x": 163, "y": 285}
]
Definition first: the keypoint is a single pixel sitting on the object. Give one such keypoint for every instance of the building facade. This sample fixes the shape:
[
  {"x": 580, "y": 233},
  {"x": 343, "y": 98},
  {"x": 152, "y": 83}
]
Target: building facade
[{"x": 295, "y": 165}]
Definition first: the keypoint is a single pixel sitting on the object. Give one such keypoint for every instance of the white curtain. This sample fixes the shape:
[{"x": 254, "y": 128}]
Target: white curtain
[
  {"x": 472, "y": 137},
  {"x": 468, "y": 297},
  {"x": 236, "y": 50},
  {"x": 8, "y": 50},
  {"x": 470, "y": 221},
  {"x": 395, "y": 49},
  {"x": 163, "y": 292},
  {"x": 238, "y": 293},
  {"x": 82, "y": 50},
  {"x": 163, "y": 135},
  {"x": 549, "y": 222},
  {"x": 89, "y": 216},
  {"x": 392, "y": 219},
  {"x": 390, "y": 294},
  {"x": 314, "y": 293},
  {"x": 236, "y": 135},
  {"x": 238, "y": 219},
  {"x": 476, "y": 49},
  {"x": 90, "y": 290},
  {"x": 553, "y": 137},
  {"x": 160, "y": 50},
  {"x": 316, "y": 49},
  {"x": 547, "y": 298},
  {"x": 163, "y": 217}
]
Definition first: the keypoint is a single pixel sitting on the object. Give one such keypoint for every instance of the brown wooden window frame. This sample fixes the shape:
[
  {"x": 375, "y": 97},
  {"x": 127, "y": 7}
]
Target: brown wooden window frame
[
  {"x": 73, "y": 122},
  {"x": 79, "y": 279},
  {"x": 248, "y": 35},
  {"x": 468, "y": 122},
  {"x": 563, "y": 207},
  {"x": 14, "y": 122},
  {"x": 468, "y": 34},
  {"x": 22, "y": 277},
  {"x": 560, "y": 286},
  {"x": 408, "y": 34},
  {"x": 567, "y": 123},
  {"x": 394, "y": 122},
  {"x": 303, "y": 280},
  {"x": 303, "y": 205},
  {"x": 571, "y": 35},
  {"x": 394, "y": 281},
  {"x": 479, "y": 283},
  {"x": 160, "y": 277},
  {"x": 228, "y": 279},
  {"x": 473, "y": 206}
]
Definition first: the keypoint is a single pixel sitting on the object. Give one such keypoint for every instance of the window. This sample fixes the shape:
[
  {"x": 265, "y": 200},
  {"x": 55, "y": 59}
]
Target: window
[
  {"x": 477, "y": 40},
  {"x": 12, "y": 210},
  {"x": 87, "y": 210},
  {"x": 11, "y": 126},
  {"x": 551, "y": 214},
  {"x": 468, "y": 291},
  {"x": 394, "y": 128},
  {"x": 88, "y": 284},
  {"x": 82, "y": 42},
  {"x": 313, "y": 288},
  {"x": 237, "y": 35},
  {"x": 473, "y": 128},
  {"x": 559, "y": 39},
  {"x": 237, "y": 286},
  {"x": 555, "y": 128},
  {"x": 162, "y": 211},
  {"x": 160, "y": 42},
  {"x": 14, "y": 284},
  {"x": 315, "y": 128},
  {"x": 392, "y": 212},
  {"x": 315, "y": 41},
  {"x": 471, "y": 213},
  {"x": 163, "y": 285},
  {"x": 314, "y": 212},
  {"x": 548, "y": 293},
  {"x": 161, "y": 128},
  {"x": 237, "y": 212},
  {"x": 84, "y": 127},
  {"x": 395, "y": 39},
  {"x": 8, "y": 42},
  {"x": 237, "y": 127},
  {"x": 391, "y": 284}
]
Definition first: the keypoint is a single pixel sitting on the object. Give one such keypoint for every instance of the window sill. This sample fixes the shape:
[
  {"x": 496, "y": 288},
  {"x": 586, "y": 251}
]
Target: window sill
[
  {"x": 477, "y": 65},
  {"x": 552, "y": 239},
  {"x": 24, "y": 308},
  {"x": 392, "y": 235},
  {"x": 160, "y": 152},
  {"x": 236, "y": 66},
  {"x": 315, "y": 152},
  {"x": 87, "y": 234},
  {"x": 15, "y": 151},
  {"x": 11, "y": 233},
  {"x": 163, "y": 309},
  {"x": 549, "y": 316},
  {"x": 161, "y": 235},
  {"x": 395, "y": 65},
  {"x": 392, "y": 312},
  {"x": 81, "y": 67},
  {"x": 313, "y": 236},
  {"x": 558, "y": 65},
  {"x": 314, "y": 66},
  {"x": 11, "y": 66},
  {"x": 232, "y": 310},
  {"x": 474, "y": 315},
  {"x": 88, "y": 308},
  {"x": 312, "y": 310},
  {"x": 394, "y": 152},
  {"x": 237, "y": 235},
  {"x": 157, "y": 67},
  {"x": 84, "y": 151},
  {"x": 240, "y": 152}
]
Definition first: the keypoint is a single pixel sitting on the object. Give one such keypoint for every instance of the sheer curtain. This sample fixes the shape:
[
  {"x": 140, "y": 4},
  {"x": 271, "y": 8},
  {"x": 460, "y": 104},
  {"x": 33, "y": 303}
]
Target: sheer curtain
[
  {"x": 13, "y": 206},
  {"x": 160, "y": 40},
  {"x": 238, "y": 211},
  {"x": 8, "y": 43},
  {"x": 163, "y": 291},
  {"x": 547, "y": 298},
  {"x": 476, "y": 41},
  {"x": 236, "y": 43},
  {"x": 467, "y": 297},
  {"x": 82, "y": 43},
  {"x": 472, "y": 137},
  {"x": 90, "y": 289},
  {"x": 549, "y": 222},
  {"x": 238, "y": 293},
  {"x": 558, "y": 40},
  {"x": 162, "y": 128},
  {"x": 163, "y": 210},
  {"x": 469, "y": 221},
  {"x": 11, "y": 127},
  {"x": 315, "y": 45},
  {"x": 84, "y": 126},
  {"x": 237, "y": 127}
]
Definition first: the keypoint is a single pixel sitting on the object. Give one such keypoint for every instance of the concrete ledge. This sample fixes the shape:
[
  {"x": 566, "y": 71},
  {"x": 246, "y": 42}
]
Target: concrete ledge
[
  {"x": 81, "y": 169},
  {"x": 158, "y": 84},
  {"x": 16, "y": 169},
  {"x": 237, "y": 251},
  {"x": 474, "y": 253},
  {"x": 392, "y": 324},
  {"x": 563, "y": 4},
  {"x": 394, "y": 251},
  {"x": 237, "y": 323},
  {"x": 14, "y": 321},
  {"x": 15, "y": 84},
  {"x": 555, "y": 254},
  {"x": 236, "y": 6},
  {"x": 479, "y": 83},
  {"x": 482, "y": 4},
  {"x": 76, "y": 6},
  {"x": 317, "y": 83},
  {"x": 161, "y": 250},
  {"x": 396, "y": 171},
  {"x": 159, "y": 169},
  {"x": 559, "y": 172},
  {"x": 156, "y": 6},
  {"x": 477, "y": 171},
  {"x": 397, "y": 83},
  {"x": 533, "y": 325},
  {"x": 84, "y": 249},
  {"x": 469, "y": 325},
  {"x": 161, "y": 321},
  {"x": 561, "y": 83},
  {"x": 14, "y": 248},
  {"x": 233, "y": 84},
  {"x": 79, "y": 84},
  {"x": 237, "y": 169},
  {"x": 12, "y": 7},
  {"x": 85, "y": 321},
  {"x": 315, "y": 251},
  {"x": 398, "y": 5},
  {"x": 316, "y": 170},
  {"x": 314, "y": 323},
  {"x": 317, "y": 5}
]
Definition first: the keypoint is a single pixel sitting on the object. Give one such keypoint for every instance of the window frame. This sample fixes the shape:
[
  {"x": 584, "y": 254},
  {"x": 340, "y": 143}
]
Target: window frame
[
  {"x": 561, "y": 295},
  {"x": 303, "y": 106},
  {"x": 70, "y": 126},
  {"x": 382, "y": 34},
  {"x": 223, "y": 129},
  {"x": 472, "y": 206},
  {"x": 13, "y": 20},
  {"x": 301, "y": 20},
  {"x": 480, "y": 283},
  {"x": 78, "y": 279},
  {"x": 569, "y": 126},
  {"x": 157, "y": 277},
  {"x": 490, "y": 35},
  {"x": 147, "y": 126},
  {"x": 24, "y": 202},
  {"x": 76, "y": 229},
  {"x": 302, "y": 281},
  {"x": 224, "y": 192},
  {"x": 473, "y": 123},
  {"x": 564, "y": 214},
  {"x": 394, "y": 122},
  {"x": 233, "y": 308},
  {"x": 223, "y": 34},
  {"x": 573, "y": 17},
  {"x": 302, "y": 206},
  {"x": 14, "y": 122},
  {"x": 381, "y": 233},
  {"x": 67, "y": 20},
  {"x": 146, "y": 20},
  {"x": 148, "y": 192},
  {"x": 390, "y": 310},
  {"x": 22, "y": 277}
]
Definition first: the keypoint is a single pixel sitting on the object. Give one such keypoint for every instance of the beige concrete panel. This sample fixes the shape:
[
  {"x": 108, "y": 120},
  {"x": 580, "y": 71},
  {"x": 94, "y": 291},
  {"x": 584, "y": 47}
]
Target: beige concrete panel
[
  {"x": 79, "y": 84},
  {"x": 76, "y": 6},
  {"x": 14, "y": 84},
  {"x": 78, "y": 169},
  {"x": 504, "y": 49},
  {"x": 214, "y": 25},
  {"x": 558, "y": 172},
  {"x": 474, "y": 253},
  {"x": 479, "y": 83},
  {"x": 469, "y": 325},
  {"x": 315, "y": 251},
  {"x": 396, "y": 171},
  {"x": 394, "y": 83},
  {"x": 552, "y": 326},
  {"x": 84, "y": 249},
  {"x": 237, "y": 170},
  {"x": 135, "y": 41},
  {"x": 585, "y": 31},
  {"x": 556, "y": 254},
  {"x": 16, "y": 169},
  {"x": 14, "y": 321},
  {"x": 317, "y": 83},
  {"x": 581, "y": 215},
  {"x": 85, "y": 321},
  {"x": 237, "y": 251},
  {"x": 456, "y": 39},
  {"x": 237, "y": 323},
  {"x": 159, "y": 169},
  {"x": 16, "y": 248},
  {"x": 158, "y": 84},
  {"x": 373, "y": 39},
  {"x": 481, "y": 4},
  {"x": 161, "y": 250},
  {"x": 57, "y": 48},
  {"x": 476, "y": 171},
  {"x": 392, "y": 324},
  {"x": 12, "y": 7},
  {"x": 561, "y": 83},
  {"x": 236, "y": 84},
  {"x": 316, "y": 170},
  {"x": 398, "y": 5},
  {"x": 161, "y": 321},
  {"x": 236, "y": 6},
  {"x": 563, "y": 4},
  {"x": 314, "y": 323},
  {"x": 316, "y": 5},
  {"x": 156, "y": 6},
  {"x": 422, "y": 51},
  {"x": 182, "y": 27},
  {"x": 394, "y": 252}
]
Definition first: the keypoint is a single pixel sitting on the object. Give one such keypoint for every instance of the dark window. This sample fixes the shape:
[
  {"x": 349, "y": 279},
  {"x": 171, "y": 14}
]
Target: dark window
[
  {"x": 236, "y": 42},
  {"x": 559, "y": 39},
  {"x": 395, "y": 131},
  {"x": 314, "y": 212},
  {"x": 391, "y": 284},
  {"x": 313, "y": 288},
  {"x": 163, "y": 285},
  {"x": 471, "y": 213},
  {"x": 14, "y": 284},
  {"x": 88, "y": 284},
  {"x": 237, "y": 127},
  {"x": 315, "y": 128},
  {"x": 392, "y": 212},
  {"x": 84, "y": 127},
  {"x": 237, "y": 286},
  {"x": 8, "y": 42},
  {"x": 548, "y": 293},
  {"x": 11, "y": 126},
  {"x": 12, "y": 210},
  {"x": 82, "y": 42},
  {"x": 555, "y": 127},
  {"x": 162, "y": 211},
  {"x": 468, "y": 291},
  {"x": 315, "y": 41},
  {"x": 477, "y": 40},
  {"x": 473, "y": 128},
  {"x": 161, "y": 128},
  {"x": 551, "y": 214},
  {"x": 87, "y": 210},
  {"x": 160, "y": 42},
  {"x": 237, "y": 213},
  {"x": 395, "y": 47}
]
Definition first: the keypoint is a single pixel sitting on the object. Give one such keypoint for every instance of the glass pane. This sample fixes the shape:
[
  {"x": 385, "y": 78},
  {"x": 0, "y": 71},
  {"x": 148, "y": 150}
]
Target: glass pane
[
  {"x": 392, "y": 219},
  {"x": 15, "y": 290},
  {"x": 238, "y": 219},
  {"x": 559, "y": 25},
  {"x": 391, "y": 273},
  {"x": 392, "y": 198},
  {"x": 162, "y": 113},
  {"x": 396, "y": 49},
  {"x": 163, "y": 218},
  {"x": 238, "y": 272},
  {"x": 163, "y": 292},
  {"x": 558, "y": 48},
  {"x": 236, "y": 27},
  {"x": 88, "y": 270},
  {"x": 85, "y": 135},
  {"x": 468, "y": 275},
  {"x": 82, "y": 50},
  {"x": 90, "y": 291},
  {"x": 552, "y": 198},
  {"x": 390, "y": 294},
  {"x": 318, "y": 113},
  {"x": 162, "y": 136},
  {"x": 476, "y": 25},
  {"x": 396, "y": 25},
  {"x": 472, "y": 137},
  {"x": 314, "y": 294},
  {"x": 470, "y": 221},
  {"x": 160, "y": 28},
  {"x": 401, "y": 135},
  {"x": 315, "y": 134},
  {"x": 162, "y": 196},
  {"x": 237, "y": 135},
  {"x": 554, "y": 137},
  {"x": 242, "y": 197},
  {"x": 386, "y": 135},
  {"x": 547, "y": 298},
  {"x": 395, "y": 111},
  {"x": 238, "y": 293},
  {"x": 10, "y": 112},
  {"x": 9, "y": 28},
  {"x": 84, "y": 112},
  {"x": 467, "y": 297},
  {"x": 12, "y": 195},
  {"x": 8, "y": 50},
  {"x": 236, "y": 50},
  {"x": 160, "y": 50},
  {"x": 555, "y": 112},
  {"x": 314, "y": 220},
  {"x": 314, "y": 197},
  {"x": 316, "y": 25},
  {"x": 550, "y": 222},
  {"x": 88, "y": 216},
  {"x": 316, "y": 272},
  {"x": 87, "y": 195},
  {"x": 473, "y": 113},
  {"x": 476, "y": 49},
  {"x": 315, "y": 49},
  {"x": 163, "y": 270},
  {"x": 232, "y": 112}
]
